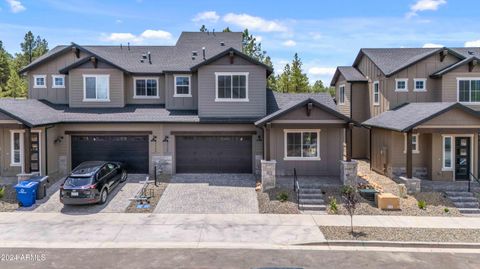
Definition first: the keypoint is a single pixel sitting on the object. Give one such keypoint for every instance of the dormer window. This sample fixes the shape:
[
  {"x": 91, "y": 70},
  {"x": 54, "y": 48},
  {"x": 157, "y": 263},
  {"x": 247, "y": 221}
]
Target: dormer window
[
  {"x": 58, "y": 81},
  {"x": 420, "y": 84},
  {"x": 39, "y": 81},
  {"x": 231, "y": 87},
  {"x": 341, "y": 95},
  {"x": 145, "y": 87},
  {"x": 182, "y": 86},
  {"x": 401, "y": 85}
]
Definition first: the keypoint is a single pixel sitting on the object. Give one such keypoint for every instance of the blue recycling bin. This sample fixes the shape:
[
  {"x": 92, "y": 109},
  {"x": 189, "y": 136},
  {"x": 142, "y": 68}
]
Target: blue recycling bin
[{"x": 26, "y": 192}]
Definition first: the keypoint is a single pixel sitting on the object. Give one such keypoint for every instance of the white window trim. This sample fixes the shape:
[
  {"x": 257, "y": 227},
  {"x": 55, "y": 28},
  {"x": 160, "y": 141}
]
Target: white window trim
[
  {"x": 406, "y": 84},
  {"x": 135, "y": 96},
  {"x": 287, "y": 131},
  {"x": 231, "y": 74},
  {"x": 454, "y": 136},
  {"x": 452, "y": 149},
  {"x": 85, "y": 99},
  {"x": 12, "y": 161},
  {"x": 458, "y": 90},
  {"x": 416, "y": 151},
  {"x": 35, "y": 85},
  {"x": 53, "y": 81},
  {"x": 376, "y": 93},
  {"x": 340, "y": 94},
  {"x": 189, "y": 94},
  {"x": 415, "y": 84}
]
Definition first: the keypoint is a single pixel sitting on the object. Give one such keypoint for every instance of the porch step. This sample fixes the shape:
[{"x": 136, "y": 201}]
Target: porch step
[
  {"x": 459, "y": 193},
  {"x": 469, "y": 211},
  {"x": 305, "y": 201},
  {"x": 311, "y": 196},
  {"x": 466, "y": 204},
  {"x": 310, "y": 191},
  {"x": 464, "y": 201},
  {"x": 313, "y": 207}
]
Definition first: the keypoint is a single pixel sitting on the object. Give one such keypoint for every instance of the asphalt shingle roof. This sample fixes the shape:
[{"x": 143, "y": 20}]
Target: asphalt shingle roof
[
  {"x": 350, "y": 73},
  {"x": 410, "y": 115}
]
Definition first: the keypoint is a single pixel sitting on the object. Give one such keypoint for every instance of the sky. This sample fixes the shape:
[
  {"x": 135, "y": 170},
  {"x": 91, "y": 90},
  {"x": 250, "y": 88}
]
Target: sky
[{"x": 325, "y": 34}]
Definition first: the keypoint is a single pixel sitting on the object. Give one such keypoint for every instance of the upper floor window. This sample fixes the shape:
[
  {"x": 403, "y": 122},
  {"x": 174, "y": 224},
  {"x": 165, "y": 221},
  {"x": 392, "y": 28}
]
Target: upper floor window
[
  {"x": 341, "y": 94},
  {"x": 39, "y": 81},
  {"x": 302, "y": 144},
  {"x": 469, "y": 90},
  {"x": 231, "y": 87},
  {"x": 182, "y": 86},
  {"x": 401, "y": 85},
  {"x": 96, "y": 88},
  {"x": 58, "y": 81},
  {"x": 145, "y": 87},
  {"x": 420, "y": 84},
  {"x": 376, "y": 93}
]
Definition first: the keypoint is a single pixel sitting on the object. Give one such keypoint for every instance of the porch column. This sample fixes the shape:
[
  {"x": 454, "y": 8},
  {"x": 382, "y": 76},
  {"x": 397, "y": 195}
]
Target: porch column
[
  {"x": 268, "y": 127},
  {"x": 409, "y": 155},
  {"x": 349, "y": 141},
  {"x": 27, "y": 140}
]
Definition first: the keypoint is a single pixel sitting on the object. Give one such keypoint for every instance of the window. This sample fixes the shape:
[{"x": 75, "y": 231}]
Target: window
[
  {"x": 469, "y": 90},
  {"x": 145, "y": 88},
  {"x": 58, "y": 81},
  {"x": 96, "y": 88},
  {"x": 341, "y": 94},
  {"x": 447, "y": 153},
  {"x": 231, "y": 87},
  {"x": 415, "y": 147},
  {"x": 401, "y": 85},
  {"x": 420, "y": 85},
  {"x": 39, "y": 81},
  {"x": 376, "y": 93},
  {"x": 302, "y": 144},
  {"x": 16, "y": 147},
  {"x": 182, "y": 86}
]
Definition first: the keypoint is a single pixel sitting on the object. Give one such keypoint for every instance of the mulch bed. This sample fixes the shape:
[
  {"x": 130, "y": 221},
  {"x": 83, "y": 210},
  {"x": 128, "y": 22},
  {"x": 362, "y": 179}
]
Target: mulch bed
[
  {"x": 157, "y": 194},
  {"x": 269, "y": 203},
  {"x": 400, "y": 234}
]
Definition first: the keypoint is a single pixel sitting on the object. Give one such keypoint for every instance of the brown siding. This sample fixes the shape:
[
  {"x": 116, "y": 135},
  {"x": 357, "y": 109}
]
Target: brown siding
[
  {"x": 449, "y": 83},
  {"x": 187, "y": 103},
  {"x": 453, "y": 118},
  {"x": 130, "y": 91},
  {"x": 345, "y": 107}
]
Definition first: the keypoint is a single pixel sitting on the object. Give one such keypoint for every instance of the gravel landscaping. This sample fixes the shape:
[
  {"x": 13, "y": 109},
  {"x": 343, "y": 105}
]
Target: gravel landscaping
[
  {"x": 437, "y": 203},
  {"x": 157, "y": 192},
  {"x": 401, "y": 234},
  {"x": 269, "y": 202}
]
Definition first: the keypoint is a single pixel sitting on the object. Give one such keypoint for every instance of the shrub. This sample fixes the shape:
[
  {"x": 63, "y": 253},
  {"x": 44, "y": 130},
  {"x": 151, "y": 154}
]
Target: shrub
[
  {"x": 282, "y": 197},
  {"x": 446, "y": 210},
  {"x": 2, "y": 192},
  {"x": 332, "y": 205},
  {"x": 422, "y": 204}
]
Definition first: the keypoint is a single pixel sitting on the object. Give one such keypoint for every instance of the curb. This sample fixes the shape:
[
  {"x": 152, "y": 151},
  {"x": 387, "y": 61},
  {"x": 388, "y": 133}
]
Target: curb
[{"x": 399, "y": 244}]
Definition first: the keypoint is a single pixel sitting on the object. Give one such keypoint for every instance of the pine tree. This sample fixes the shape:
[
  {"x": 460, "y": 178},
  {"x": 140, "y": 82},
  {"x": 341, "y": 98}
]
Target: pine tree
[
  {"x": 271, "y": 80},
  {"x": 252, "y": 48},
  {"x": 16, "y": 86},
  {"x": 299, "y": 80},
  {"x": 5, "y": 59},
  {"x": 318, "y": 87},
  {"x": 283, "y": 80},
  {"x": 203, "y": 28},
  {"x": 227, "y": 30}
]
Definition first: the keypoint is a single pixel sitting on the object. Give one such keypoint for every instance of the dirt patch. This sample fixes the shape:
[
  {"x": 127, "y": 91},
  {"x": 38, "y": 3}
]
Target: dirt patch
[
  {"x": 156, "y": 192},
  {"x": 269, "y": 202},
  {"x": 401, "y": 234}
]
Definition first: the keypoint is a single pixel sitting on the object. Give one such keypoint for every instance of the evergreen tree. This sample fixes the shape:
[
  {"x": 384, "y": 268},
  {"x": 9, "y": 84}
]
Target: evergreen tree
[
  {"x": 283, "y": 80},
  {"x": 252, "y": 48},
  {"x": 5, "y": 59},
  {"x": 271, "y": 80},
  {"x": 298, "y": 80},
  {"x": 318, "y": 87},
  {"x": 16, "y": 86},
  {"x": 227, "y": 30},
  {"x": 203, "y": 28}
]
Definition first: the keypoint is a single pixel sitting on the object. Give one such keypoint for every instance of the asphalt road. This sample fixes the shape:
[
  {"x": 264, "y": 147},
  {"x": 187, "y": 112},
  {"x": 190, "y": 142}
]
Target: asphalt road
[{"x": 232, "y": 258}]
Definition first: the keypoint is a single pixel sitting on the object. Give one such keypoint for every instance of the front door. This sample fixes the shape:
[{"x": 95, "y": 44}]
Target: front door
[
  {"x": 35, "y": 152},
  {"x": 462, "y": 158}
]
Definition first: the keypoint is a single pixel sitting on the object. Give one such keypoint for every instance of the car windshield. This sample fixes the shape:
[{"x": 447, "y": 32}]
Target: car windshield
[{"x": 78, "y": 181}]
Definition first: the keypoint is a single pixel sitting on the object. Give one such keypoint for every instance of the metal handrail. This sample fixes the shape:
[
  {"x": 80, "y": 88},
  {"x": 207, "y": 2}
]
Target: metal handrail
[
  {"x": 470, "y": 181},
  {"x": 296, "y": 186}
]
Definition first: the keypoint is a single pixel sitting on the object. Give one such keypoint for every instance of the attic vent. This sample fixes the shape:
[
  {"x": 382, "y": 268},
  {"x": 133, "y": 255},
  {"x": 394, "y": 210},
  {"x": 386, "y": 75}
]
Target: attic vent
[
  {"x": 470, "y": 52},
  {"x": 222, "y": 44},
  {"x": 144, "y": 56},
  {"x": 194, "y": 53}
]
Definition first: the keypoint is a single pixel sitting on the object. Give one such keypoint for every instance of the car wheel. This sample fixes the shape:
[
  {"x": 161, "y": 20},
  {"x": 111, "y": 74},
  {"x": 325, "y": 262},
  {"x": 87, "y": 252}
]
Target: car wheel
[
  {"x": 124, "y": 176},
  {"x": 103, "y": 196}
]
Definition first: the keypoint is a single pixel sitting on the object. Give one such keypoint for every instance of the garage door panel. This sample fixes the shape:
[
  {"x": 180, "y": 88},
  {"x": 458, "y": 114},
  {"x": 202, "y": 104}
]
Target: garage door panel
[
  {"x": 214, "y": 154},
  {"x": 131, "y": 150}
]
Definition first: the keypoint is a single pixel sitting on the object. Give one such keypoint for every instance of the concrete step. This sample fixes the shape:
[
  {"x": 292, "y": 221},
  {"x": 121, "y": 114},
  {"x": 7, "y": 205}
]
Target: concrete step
[
  {"x": 313, "y": 207},
  {"x": 314, "y": 212},
  {"x": 311, "y": 201},
  {"x": 311, "y": 195},
  {"x": 469, "y": 210},
  {"x": 459, "y": 193},
  {"x": 310, "y": 186},
  {"x": 311, "y": 191},
  {"x": 463, "y": 199},
  {"x": 466, "y": 205}
]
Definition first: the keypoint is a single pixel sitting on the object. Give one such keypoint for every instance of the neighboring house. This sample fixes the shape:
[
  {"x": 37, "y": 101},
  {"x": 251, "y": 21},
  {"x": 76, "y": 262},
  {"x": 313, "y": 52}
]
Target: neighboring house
[
  {"x": 420, "y": 106},
  {"x": 200, "y": 106}
]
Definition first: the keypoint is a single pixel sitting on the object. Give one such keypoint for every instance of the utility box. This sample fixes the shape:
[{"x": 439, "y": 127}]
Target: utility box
[
  {"x": 387, "y": 201},
  {"x": 42, "y": 185}
]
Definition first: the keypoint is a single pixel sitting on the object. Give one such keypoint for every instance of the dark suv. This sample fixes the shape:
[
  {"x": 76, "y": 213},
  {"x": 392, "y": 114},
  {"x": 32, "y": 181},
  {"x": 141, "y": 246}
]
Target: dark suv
[{"x": 91, "y": 182}]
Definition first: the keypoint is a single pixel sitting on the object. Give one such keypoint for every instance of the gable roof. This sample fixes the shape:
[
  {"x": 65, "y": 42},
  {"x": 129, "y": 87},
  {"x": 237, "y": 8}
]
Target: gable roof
[
  {"x": 408, "y": 116},
  {"x": 163, "y": 58},
  {"x": 281, "y": 103},
  {"x": 350, "y": 73},
  {"x": 447, "y": 69}
]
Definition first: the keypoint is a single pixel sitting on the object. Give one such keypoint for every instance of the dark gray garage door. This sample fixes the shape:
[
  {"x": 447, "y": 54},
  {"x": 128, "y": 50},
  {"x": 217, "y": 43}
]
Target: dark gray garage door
[
  {"x": 131, "y": 150},
  {"x": 214, "y": 154}
]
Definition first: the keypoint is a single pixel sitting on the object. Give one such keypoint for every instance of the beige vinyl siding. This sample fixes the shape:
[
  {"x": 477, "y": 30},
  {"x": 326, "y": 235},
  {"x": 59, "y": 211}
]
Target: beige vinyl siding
[
  {"x": 450, "y": 85},
  {"x": 130, "y": 91},
  {"x": 181, "y": 103},
  {"x": 345, "y": 107},
  {"x": 5, "y": 150},
  {"x": 116, "y": 83}
]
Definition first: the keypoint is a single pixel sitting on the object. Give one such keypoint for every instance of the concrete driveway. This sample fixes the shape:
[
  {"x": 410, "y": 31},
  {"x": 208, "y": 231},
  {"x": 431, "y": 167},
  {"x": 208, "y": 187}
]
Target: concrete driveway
[
  {"x": 117, "y": 200},
  {"x": 209, "y": 194}
]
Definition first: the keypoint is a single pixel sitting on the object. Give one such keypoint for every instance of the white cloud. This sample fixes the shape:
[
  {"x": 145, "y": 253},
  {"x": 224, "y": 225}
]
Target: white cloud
[
  {"x": 289, "y": 43},
  {"x": 322, "y": 71},
  {"x": 473, "y": 43},
  {"x": 16, "y": 6},
  {"x": 422, "y": 5},
  {"x": 210, "y": 16},
  {"x": 118, "y": 21},
  {"x": 145, "y": 37},
  {"x": 254, "y": 23},
  {"x": 432, "y": 45},
  {"x": 316, "y": 35}
]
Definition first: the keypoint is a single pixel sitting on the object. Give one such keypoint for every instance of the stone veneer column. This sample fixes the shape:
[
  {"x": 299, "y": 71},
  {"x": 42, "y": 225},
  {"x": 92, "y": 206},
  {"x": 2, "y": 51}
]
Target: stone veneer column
[
  {"x": 348, "y": 173},
  {"x": 268, "y": 174}
]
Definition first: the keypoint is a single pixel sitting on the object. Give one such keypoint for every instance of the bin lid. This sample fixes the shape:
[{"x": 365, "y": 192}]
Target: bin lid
[{"x": 27, "y": 184}]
